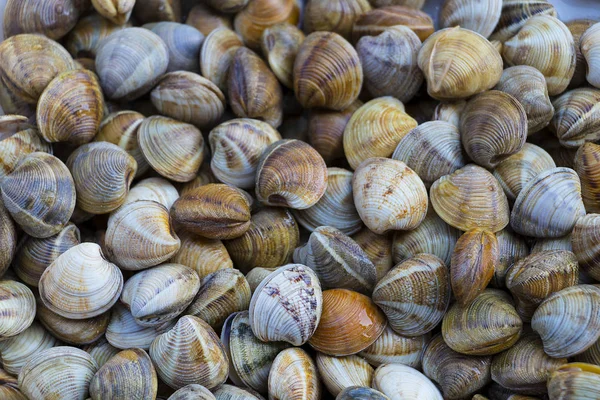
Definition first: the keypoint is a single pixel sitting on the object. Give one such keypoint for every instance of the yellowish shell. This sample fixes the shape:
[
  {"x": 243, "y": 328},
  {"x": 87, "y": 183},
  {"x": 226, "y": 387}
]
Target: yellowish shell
[
  {"x": 216, "y": 55},
  {"x": 204, "y": 256},
  {"x": 587, "y": 165},
  {"x": 575, "y": 381},
  {"x": 334, "y": 16},
  {"x": 339, "y": 373},
  {"x": 578, "y": 28},
  {"x": 206, "y": 19},
  {"x": 294, "y": 375},
  {"x": 393, "y": 348},
  {"x": 376, "y": 21},
  {"x": 118, "y": 11},
  {"x": 515, "y": 14},
  {"x": 280, "y": 44},
  {"x": 480, "y": 17}
]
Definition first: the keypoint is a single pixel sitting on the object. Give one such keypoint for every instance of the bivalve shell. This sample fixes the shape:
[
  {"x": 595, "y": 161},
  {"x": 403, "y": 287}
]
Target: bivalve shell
[
  {"x": 280, "y": 44},
  {"x": 378, "y": 248},
  {"x": 399, "y": 381},
  {"x": 124, "y": 333},
  {"x": 17, "y": 305},
  {"x": 53, "y": 19},
  {"x": 585, "y": 239},
  {"x": 294, "y": 376},
  {"x": 17, "y": 139},
  {"x": 590, "y": 48},
  {"x": 480, "y": 17},
  {"x": 156, "y": 189},
  {"x": 204, "y": 256},
  {"x": 578, "y": 28},
  {"x": 449, "y": 111},
  {"x": 393, "y": 348},
  {"x": 587, "y": 166},
  {"x": 184, "y": 43},
  {"x": 376, "y": 21},
  {"x": 339, "y": 373},
  {"x": 84, "y": 39},
  {"x": 101, "y": 351},
  {"x": 18, "y": 349},
  {"x": 334, "y": 16},
  {"x": 8, "y": 246},
  {"x": 511, "y": 248},
  {"x": 73, "y": 331},
  {"x": 216, "y": 55},
  {"x": 361, "y": 393},
  {"x": 515, "y": 14},
  {"x": 117, "y": 11},
  {"x": 578, "y": 381},
  {"x": 577, "y": 115},
  {"x": 193, "y": 392}
]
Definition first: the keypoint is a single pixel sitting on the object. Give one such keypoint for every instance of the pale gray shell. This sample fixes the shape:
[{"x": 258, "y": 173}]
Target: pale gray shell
[
  {"x": 393, "y": 348},
  {"x": 17, "y": 350},
  {"x": 184, "y": 43},
  {"x": 17, "y": 306},
  {"x": 339, "y": 373},
  {"x": 124, "y": 333},
  {"x": 399, "y": 381}
]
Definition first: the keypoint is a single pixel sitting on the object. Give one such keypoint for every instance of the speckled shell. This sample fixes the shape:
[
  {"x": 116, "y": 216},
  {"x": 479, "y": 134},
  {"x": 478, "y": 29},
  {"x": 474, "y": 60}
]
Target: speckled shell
[
  {"x": 339, "y": 373},
  {"x": 17, "y": 350},
  {"x": 280, "y": 44},
  {"x": 101, "y": 351},
  {"x": 568, "y": 320},
  {"x": 204, "y": 256},
  {"x": 531, "y": 47},
  {"x": 73, "y": 331},
  {"x": 216, "y": 55},
  {"x": 221, "y": 293},
  {"x": 585, "y": 244},
  {"x": 140, "y": 235},
  {"x": 587, "y": 163},
  {"x": 60, "y": 372},
  {"x": 376, "y": 21},
  {"x": 414, "y": 295},
  {"x": 389, "y": 63},
  {"x": 156, "y": 189},
  {"x": 375, "y": 129},
  {"x": 577, "y": 116},
  {"x": 124, "y": 333},
  {"x": 188, "y": 97},
  {"x": 184, "y": 43},
  {"x": 338, "y": 261},
  {"x": 327, "y": 72},
  {"x": 17, "y": 305},
  {"x": 287, "y": 305},
  {"x": 388, "y": 195},
  {"x": 575, "y": 381},
  {"x": 488, "y": 325},
  {"x": 470, "y": 198},
  {"x": 399, "y": 381},
  {"x": 84, "y": 39},
  {"x": 549, "y": 205},
  {"x": 393, "y": 348},
  {"x": 511, "y": 248},
  {"x": 590, "y": 48},
  {"x": 81, "y": 283},
  {"x": 458, "y": 63},
  {"x": 432, "y": 149},
  {"x": 236, "y": 147},
  {"x": 515, "y": 14},
  {"x": 190, "y": 353},
  {"x": 480, "y": 17},
  {"x": 458, "y": 375},
  {"x": 378, "y": 248},
  {"x": 39, "y": 194}
]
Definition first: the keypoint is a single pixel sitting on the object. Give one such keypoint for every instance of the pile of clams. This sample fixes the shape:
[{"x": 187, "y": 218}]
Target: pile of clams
[{"x": 299, "y": 200}]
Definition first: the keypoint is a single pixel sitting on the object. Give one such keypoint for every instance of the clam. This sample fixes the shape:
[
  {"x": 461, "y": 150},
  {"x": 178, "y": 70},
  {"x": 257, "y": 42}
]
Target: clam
[
  {"x": 591, "y": 355},
  {"x": 18, "y": 349},
  {"x": 269, "y": 242},
  {"x": 204, "y": 256},
  {"x": 60, "y": 372},
  {"x": 511, "y": 248},
  {"x": 190, "y": 353},
  {"x": 11, "y": 103},
  {"x": 236, "y": 147},
  {"x": 591, "y": 51},
  {"x": 81, "y": 283},
  {"x": 470, "y": 198},
  {"x": 287, "y": 305},
  {"x": 280, "y": 44},
  {"x": 515, "y": 13},
  {"x": 414, "y": 295},
  {"x": 375, "y": 129},
  {"x": 585, "y": 244},
  {"x": 155, "y": 189},
  {"x": 216, "y": 55},
  {"x": 388, "y": 195},
  {"x": 140, "y": 235},
  {"x": 432, "y": 149},
  {"x": 549, "y": 205},
  {"x": 339, "y": 373},
  {"x": 184, "y": 43},
  {"x": 458, "y": 375},
  {"x": 53, "y": 19},
  {"x": 159, "y": 294},
  {"x": 193, "y": 391},
  {"x": 117, "y": 11},
  {"x": 17, "y": 305},
  {"x": 449, "y": 111},
  {"x": 376, "y": 21},
  {"x": 535, "y": 277},
  {"x": 157, "y": 10},
  {"x": 399, "y": 381},
  {"x": 259, "y": 15},
  {"x": 389, "y": 63},
  {"x": 393, "y": 348},
  {"x": 84, "y": 39},
  {"x": 221, "y": 293},
  {"x": 560, "y": 243},
  {"x": 488, "y": 325},
  {"x": 256, "y": 276},
  {"x": 39, "y": 194},
  {"x": 567, "y": 320},
  {"x": 294, "y": 375},
  {"x": 378, "y": 248},
  {"x": 472, "y": 265},
  {"x": 575, "y": 381},
  {"x": 130, "y": 62},
  {"x": 545, "y": 43},
  {"x": 327, "y": 72},
  {"x": 334, "y": 16},
  {"x": 9, "y": 388},
  {"x": 73, "y": 331},
  {"x": 128, "y": 375},
  {"x": 459, "y": 63},
  {"x": 480, "y": 17},
  {"x": 525, "y": 367},
  {"x": 18, "y": 139},
  {"x": 578, "y": 28},
  {"x": 101, "y": 351},
  {"x": 586, "y": 165},
  {"x": 361, "y": 393},
  {"x": 124, "y": 333},
  {"x": 576, "y": 118},
  {"x": 8, "y": 245},
  {"x": 250, "y": 358},
  {"x": 206, "y": 19}
]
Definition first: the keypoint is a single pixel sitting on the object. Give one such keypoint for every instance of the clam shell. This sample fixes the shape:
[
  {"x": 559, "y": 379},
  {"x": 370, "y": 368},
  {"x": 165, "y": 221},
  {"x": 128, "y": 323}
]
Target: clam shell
[
  {"x": 73, "y": 331},
  {"x": 53, "y": 19},
  {"x": 158, "y": 10},
  {"x": 256, "y": 276},
  {"x": 118, "y": 11},
  {"x": 515, "y": 13},
  {"x": 511, "y": 248},
  {"x": 393, "y": 348},
  {"x": 101, "y": 351},
  {"x": 584, "y": 239},
  {"x": 124, "y": 333},
  {"x": 575, "y": 381},
  {"x": 230, "y": 392},
  {"x": 280, "y": 44},
  {"x": 17, "y": 142},
  {"x": 184, "y": 43},
  {"x": 335, "y": 16},
  {"x": 576, "y": 118},
  {"x": 591, "y": 51},
  {"x": 84, "y": 39},
  {"x": 18, "y": 349},
  {"x": 587, "y": 167},
  {"x": 449, "y": 111},
  {"x": 204, "y": 256},
  {"x": 192, "y": 392},
  {"x": 376, "y": 21},
  {"x": 339, "y": 373},
  {"x": 294, "y": 375},
  {"x": 156, "y": 189},
  {"x": 414, "y": 295},
  {"x": 399, "y": 381},
  {"x": 287, "y": 305},
  {"x": 17, "y": 305},
  {"x": 378, "y": 248},
  {"x": 361, "y": 393},
  {"x": 9, "y": 388},
  {"x": 8, "y": 245},
  {"x": 480, "y": 17},
  {"x": 578, "y": 28},
  {"x": 216, "y": 55}
]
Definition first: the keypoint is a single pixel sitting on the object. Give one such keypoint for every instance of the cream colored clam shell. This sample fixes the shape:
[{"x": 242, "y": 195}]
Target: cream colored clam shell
[
  {"x": 155, "y": 189},
  {"x": 17, "y": 306},
  {"x": 339, "y": 373},
  {"x": 478, "y": 16},
  {"x": 294, "y": 375},
  {"x": 124, "y": 333},
  {"x": 393, "y": 348},
  {"x": 17, "y": 350},
  {"x": 399, "y": 381},
  {"x": 590, "y": 48}
]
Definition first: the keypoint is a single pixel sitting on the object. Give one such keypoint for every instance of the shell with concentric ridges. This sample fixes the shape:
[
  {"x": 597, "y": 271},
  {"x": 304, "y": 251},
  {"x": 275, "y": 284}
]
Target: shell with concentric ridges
[
  {"x": 216, "y": 55},
  {"x": 17, "y": 350},
  {"x": 393, "y": 348},
  {"x": 577, "y": 117},
  {"x": 294, "y": 375},
  {"x": 124, "y": 333},
  {"x": 17, "y": 305},
  {"x": 590, "y": 48},
  {"x": 480, "y": 17},
  {"x": 400, "y": 381}
]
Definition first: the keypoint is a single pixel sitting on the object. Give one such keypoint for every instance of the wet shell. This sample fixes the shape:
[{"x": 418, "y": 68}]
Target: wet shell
[
  {"x": 575, "y": 381},
  {"x": 470, "y": 198},
  {"x": 472, "y": 267},
  {"x": 73, "y": 331},
  {"x": 193, "y": 392},
  {"x": 327, "y": 72},
  {"x": 184, "y": 43},
  {"x": 568, "y": 320},
  {"x": 204, "y": 256},
  {"x": 280, "y": 44},
  {"x": 261, "y": 14},
  {"x": 29, "y": 62},
  {"x": 269, "y": 242},
  {"x": 287, "y": 305},
  {"x": 375, "y": 129},
  {"x": 399, "y": 381},
  {"x": 39, "y": 194},
  {"x": 124, "y": 333},
  {"x": 576, "y": 118},
  {"x": 392, "y": 348},
  {"x": 414, "y": 295},
  {"x": 480, "y": 17},
  {"x": 188, "y": 97},
  {"x": 432, "y": 149},
  {"x": 129, "y": 63},
  {"x": 376, "y": 21},
  {"x": 350, "y": 323},
  {"x": 17, "y": 305},
  {"x": 515, "y": 13},
  {"x": 339, "y": 373},
  {"x": 84, "y": 39},
  {"x": 140, "y": 235},
  {"x": 60, "y": 372},
  {"x": 216, "y": 55},
  {"x": 591, "y": 51},
  {"x": 458, "y": 63},
  {"x": 291, "y": 174},
  {"x": 102, "y": 173},
  {"x": 236, "y": 148},
  {"x": 17, "y": 350},
  {"x": 530, "y": 47},
  {"x": 128, "y": 375},
  {"x": 388, "y": 195},
  {"x": 549, "y": 205},
  {"x": 294, "y": 375},
  {"x": 511, "y": 248},
  {"x": 378, "y": 248},
  {"x": 587, "y": 163},
  {"x": 338, "y": 261},
  {"x": 156, "y": 189},
  {"x": 71, "y": 108},
  {"x": 18, "y": 141},
  {"x": 53, "y": 19},
  {"x": 81, "y": 283},
  {"x": 449, "y": 111},
  {"x": 250, "y": 358},
  {"x": 221, "y": 293},
  {"x": 489, "y": 325},
  {"x": 159, "y": 294},
  {"x": 190, "y": 353},
  {"x": 458, "y": 375},
  {"x": 361, "y": 393},
  {"x": 389, "y": 63},
  {"x": 8, "y": 245},
  {"x": 117, "y": 11}
]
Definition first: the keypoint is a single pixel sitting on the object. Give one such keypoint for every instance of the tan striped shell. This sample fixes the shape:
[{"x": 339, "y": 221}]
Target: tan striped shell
[
  {"x": 587, "y": 167},
  {"x": 591, "y": 51},
  {"x": 515, "y": 14},
  {"x": 18, "y": 349},
  {"x": 294, "y": 375},
  {"x": 204, "y": 256},
  {"x": 393, "y": 348},
  {"x": 73, "y": 331},
  {"x": 584, "y": 239},
  {"x": 576, "y": 118},
  {"x": 480, "y": 17},
  {"x": 339, "y": 373},
  {"x": 216, "y": 55},
  {"x": 376, "y": 21},
  {"x": 124, "y": 333}
]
